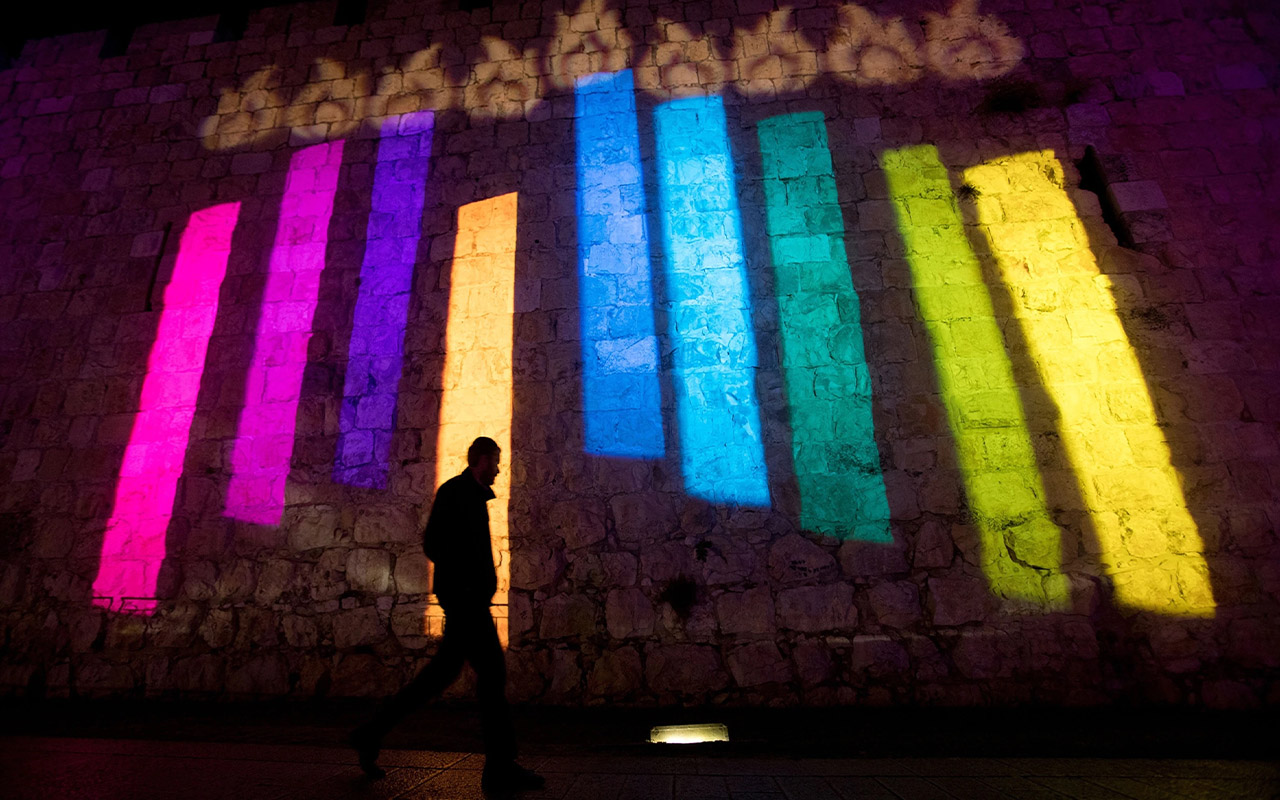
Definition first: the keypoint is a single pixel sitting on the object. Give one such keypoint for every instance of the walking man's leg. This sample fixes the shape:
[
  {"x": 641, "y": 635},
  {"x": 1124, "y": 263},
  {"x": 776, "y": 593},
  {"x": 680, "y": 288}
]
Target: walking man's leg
[{"x": 433, "y": 679}]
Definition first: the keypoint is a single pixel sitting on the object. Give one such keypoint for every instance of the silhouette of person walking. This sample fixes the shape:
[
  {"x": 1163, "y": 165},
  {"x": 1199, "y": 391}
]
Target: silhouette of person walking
[{"x": 456, "y": 540}]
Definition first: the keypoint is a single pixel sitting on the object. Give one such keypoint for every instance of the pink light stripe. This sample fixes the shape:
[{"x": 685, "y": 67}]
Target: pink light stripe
[
  {"x": 264, "y": 441},
  {"x": 134, "y": 545}
]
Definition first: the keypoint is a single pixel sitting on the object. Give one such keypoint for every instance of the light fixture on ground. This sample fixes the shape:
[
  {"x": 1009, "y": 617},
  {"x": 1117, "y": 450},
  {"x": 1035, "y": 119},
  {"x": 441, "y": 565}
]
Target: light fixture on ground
[{"x": 689, "y": 734}]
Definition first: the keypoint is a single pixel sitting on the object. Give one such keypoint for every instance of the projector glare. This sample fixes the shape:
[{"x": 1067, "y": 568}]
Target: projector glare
[{"x": 689, "y": 734}]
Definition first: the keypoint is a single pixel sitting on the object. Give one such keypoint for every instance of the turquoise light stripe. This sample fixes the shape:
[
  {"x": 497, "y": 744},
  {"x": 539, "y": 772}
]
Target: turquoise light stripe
[
  {"x": 714, "y": 349},
  {"x": 837, "y": 462}
]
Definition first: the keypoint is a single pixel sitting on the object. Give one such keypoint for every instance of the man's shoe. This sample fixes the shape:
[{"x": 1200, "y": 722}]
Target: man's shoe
[
  {"x": 510, "y": 777},
  {"x": 367, "y": 747}
]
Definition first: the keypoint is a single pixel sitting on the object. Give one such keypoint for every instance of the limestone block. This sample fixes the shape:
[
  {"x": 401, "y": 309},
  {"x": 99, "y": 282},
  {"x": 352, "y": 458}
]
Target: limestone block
[
  {"x": 527, "y": 672},
  {"x": 388, "y": 524},
  {"x": 628, "y": 613},
  {"x": 310, "y": 527},
  {"x": 175, "y": 626},
  {"x": 642, "y": 516},
  {"x": 218, "y": 628},
  {"x": 363, "y": 675},
  {"x": 356, "y": 627},
  {"x": 328, "y": 578},
  {"x": 300, "y": 631},
  {"x": 895, "y": 605},
  {"x": 872, "y": 560},
  {"x": 85, "y": 628},
  {"x": 620, "y": 569},
  {"x": 757, "y": 663},
  {"x": 934, "y": 547},
  {"x": 236, "y": 584},
  {"x": 567, "y": 615},
  {"x": 97, "y": 676},
  {"x": 748, "y": 612},
  {"x": 566, "y": 674},
  {"x": 818, "y": 608},
  {"x": 203, "y": 673},
  {"x": 955, "y": 601},
  {"x": 579, "y": 524},
  {"x": 264, "y": 675},
  {"x": 412, "y": 573},
  {"x": 683, "y": 669},
  {"x": 878, "y": 657},
  {"x": 369, "y": 570},
  {"x": 813, "y": 662},
  {"x": 616, "y": 673},
  {"x": 535, "y": 567},
  {"x": 275, "y": 577}
]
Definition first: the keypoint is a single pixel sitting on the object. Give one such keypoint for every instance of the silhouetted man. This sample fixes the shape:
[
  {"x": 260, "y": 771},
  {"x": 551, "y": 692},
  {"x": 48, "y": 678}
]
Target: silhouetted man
[{"x": 456, "y": 540}]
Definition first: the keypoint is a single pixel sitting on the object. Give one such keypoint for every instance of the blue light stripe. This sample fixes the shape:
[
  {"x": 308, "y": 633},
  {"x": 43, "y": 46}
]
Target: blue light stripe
[
  {"x": 376, "y": 352},
  {"x": 621, "y": 397},
  {"x": 722, "y": 453}
]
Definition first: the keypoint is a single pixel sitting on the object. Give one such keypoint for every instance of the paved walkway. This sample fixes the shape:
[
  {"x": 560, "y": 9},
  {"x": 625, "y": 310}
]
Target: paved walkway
[{"x": 46, "y": 768}]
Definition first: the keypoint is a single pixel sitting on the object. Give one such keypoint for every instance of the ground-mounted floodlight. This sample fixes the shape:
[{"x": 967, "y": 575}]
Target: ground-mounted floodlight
[{"x": 689, "y": 734}]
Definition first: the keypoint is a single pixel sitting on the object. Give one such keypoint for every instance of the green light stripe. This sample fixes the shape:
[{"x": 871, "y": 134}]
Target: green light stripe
[
  {"x": 1021, "y": 544},
  {"x": 837, "y": 463}
]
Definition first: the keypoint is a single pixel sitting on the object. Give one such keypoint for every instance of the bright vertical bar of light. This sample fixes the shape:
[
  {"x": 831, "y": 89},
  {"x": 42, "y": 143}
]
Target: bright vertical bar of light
[
  {"x": 621, "y": 397},
  {"x": 1022, "y": 550},
  {"x": 264, "y": 440},
  {"x": 837, "y": 462},
  {"x": 376, "y": 352},
  {"x": 134, "y": 545},
  {"x": 1065, "y": 307},
  {"x": 477, "y": 379},
  {"x": 721, "y": 449}
]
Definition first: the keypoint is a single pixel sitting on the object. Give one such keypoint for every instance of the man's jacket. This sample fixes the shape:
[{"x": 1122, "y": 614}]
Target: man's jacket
[{"x": 456, "y": 540}]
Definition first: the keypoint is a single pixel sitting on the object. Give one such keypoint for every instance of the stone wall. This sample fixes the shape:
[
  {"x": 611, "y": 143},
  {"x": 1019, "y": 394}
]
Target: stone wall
[{"x": 893, "y": 354}]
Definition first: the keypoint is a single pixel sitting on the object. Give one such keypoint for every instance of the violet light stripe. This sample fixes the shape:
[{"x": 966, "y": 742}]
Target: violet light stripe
[
  {"x": 133, "y": 547},
  {"x": 376, "y": 352},
  {"x": 264, "y": 440}
]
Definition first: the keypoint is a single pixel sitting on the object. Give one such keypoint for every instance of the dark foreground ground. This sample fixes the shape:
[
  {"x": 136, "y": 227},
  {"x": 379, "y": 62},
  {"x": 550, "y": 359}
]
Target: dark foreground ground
[{"x": 100, "y": 749}]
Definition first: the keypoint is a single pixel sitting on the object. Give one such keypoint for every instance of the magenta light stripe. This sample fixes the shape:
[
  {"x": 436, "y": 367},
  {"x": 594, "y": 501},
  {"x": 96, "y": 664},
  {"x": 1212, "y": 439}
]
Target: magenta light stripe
[
  {"x": 264, "y": 441},
  {"x": 134, "y": 545}
]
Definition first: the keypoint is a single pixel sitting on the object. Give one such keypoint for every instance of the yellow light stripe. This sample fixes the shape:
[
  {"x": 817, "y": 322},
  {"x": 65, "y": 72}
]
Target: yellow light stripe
[
  {"x": 1107, "y": 423},
  {"x": 477, "y": 376}
]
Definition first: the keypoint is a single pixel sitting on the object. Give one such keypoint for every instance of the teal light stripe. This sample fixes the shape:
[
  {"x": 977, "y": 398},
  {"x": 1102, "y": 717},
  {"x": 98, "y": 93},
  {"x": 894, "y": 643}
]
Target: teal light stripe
[{"x": 837, "y": 462}]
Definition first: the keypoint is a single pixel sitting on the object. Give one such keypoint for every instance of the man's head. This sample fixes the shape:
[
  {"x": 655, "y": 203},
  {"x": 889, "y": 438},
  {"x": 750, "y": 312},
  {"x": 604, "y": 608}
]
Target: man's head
[{"x": 482, "y": 459}]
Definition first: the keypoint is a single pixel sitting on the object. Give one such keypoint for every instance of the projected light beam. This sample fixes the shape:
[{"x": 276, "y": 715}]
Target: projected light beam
[
  {"x": 1021, "y": 545},
  {"x": 376, "y": 352},
  {"x": 721, "y": 450},
  {"x": 133, "y": 547},
  {"x": 621, "y": 397},
  {"x": 264, "y": 441},
  {"x": 477, "y": 379},
  {"x": 1064, "y": 304},
  {"x": 837, "y": 463}
]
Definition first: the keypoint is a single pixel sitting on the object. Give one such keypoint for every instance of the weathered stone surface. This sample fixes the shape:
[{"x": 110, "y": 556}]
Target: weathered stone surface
[
  {"x": 794, "y": 559},
  {"x": 616, "y": 673},
  {"x": 567, "y": 615},
  {"x": 629, "y": 613},
  {"x": 895, "y": 605},
  {"x": 955, "y": 601},
  {"x": 358, "y": 626},
  {"x": 813, "y": 662},
  {"x": 300, "y": 632},
  {"x": 264, "y": 675},
  {"x": 85, "y": 628},
  {"x": 872, "y": 560},
  {"x": 408, "y": 625},
  {"x": 175, "y": 627},
  {"x": 275, "y": 577},
  {"x": 642, "y": 517},
  {"x": 566, "y": 674},
  {"x": 387, "y": 525},
  {"x": 934, "y": 547},
  {"x": 311, "y": 526},
  {"x": 412, "y": 573},
  {"x": 198, "y": 674},
  {"x": 363, "y": 675},
  {"x": 749, "y": 612},
  {"x": 818, "y": 608},
  {"x": 218, "y": 628},
  {"x": 536, "y": 567},
  {"x": 757, "y": 663},
  {"x": 579, "y": 524},
  {"x": 878, "y": 657},
  {"x": 369, "y": 570},
  {"x": 683, "y": 669}
]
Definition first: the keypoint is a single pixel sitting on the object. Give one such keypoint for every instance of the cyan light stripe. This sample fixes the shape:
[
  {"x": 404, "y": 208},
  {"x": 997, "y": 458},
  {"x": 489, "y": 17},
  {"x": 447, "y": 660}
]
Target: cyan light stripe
[
  {"x": 621, "y": 397},
  {"x": 721, "y": 449},
  {"x": 837, "y": 462},
  {"x": 376, "y": 352}
]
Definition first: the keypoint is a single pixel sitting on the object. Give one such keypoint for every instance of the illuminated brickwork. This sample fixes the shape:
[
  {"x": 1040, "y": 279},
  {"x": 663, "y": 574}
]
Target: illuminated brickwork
[{"x": 915, "y": 354}]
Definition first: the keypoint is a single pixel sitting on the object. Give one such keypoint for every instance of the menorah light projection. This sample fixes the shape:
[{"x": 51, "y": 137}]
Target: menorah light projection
[{"x": 1148, "y": 542}]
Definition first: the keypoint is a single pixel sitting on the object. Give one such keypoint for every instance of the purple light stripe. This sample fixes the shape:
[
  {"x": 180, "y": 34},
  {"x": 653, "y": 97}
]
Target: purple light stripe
[
  {"x": 264, "y": 441},
  {"x": 376, "y": 352}
]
